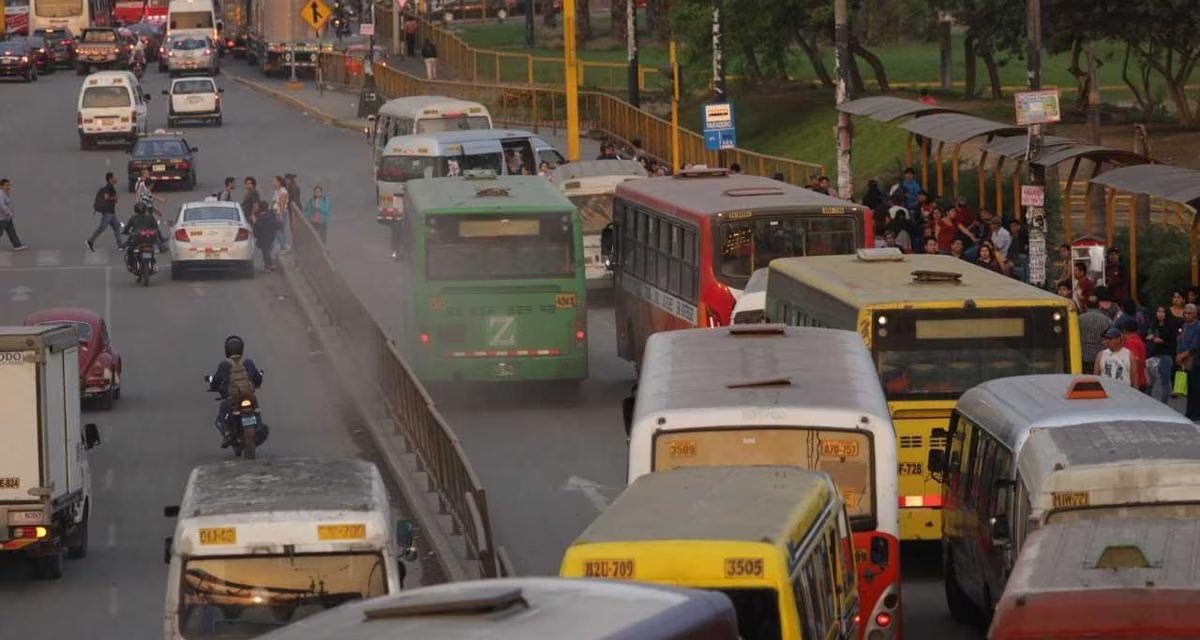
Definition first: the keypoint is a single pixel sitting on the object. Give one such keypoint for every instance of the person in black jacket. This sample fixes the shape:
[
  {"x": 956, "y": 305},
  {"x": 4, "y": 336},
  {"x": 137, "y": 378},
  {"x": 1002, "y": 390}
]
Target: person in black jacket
[
  {"x": 105, "y": 204},
  {"x": 266, "y": 225},
  {"x": 429, "y": 53}
]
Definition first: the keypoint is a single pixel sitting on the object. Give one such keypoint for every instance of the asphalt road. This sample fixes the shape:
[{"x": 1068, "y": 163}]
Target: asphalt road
[
  {"x": 550, "y": 460},
  {"x": 170, "y": 336}
]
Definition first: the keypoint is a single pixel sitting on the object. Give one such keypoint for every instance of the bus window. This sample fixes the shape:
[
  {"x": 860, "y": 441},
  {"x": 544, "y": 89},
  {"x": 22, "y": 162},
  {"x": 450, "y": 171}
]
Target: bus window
[
  {"x": 405, "y": 168},
  {"x": 468, "y": 247},
  {"x": 518, "y": 156},
  {"x": 441, "y": 124},
  {"x": 757, "y": 613},
  {"x": 746, "y": 245},
  {"x": 481, "y": 162}
]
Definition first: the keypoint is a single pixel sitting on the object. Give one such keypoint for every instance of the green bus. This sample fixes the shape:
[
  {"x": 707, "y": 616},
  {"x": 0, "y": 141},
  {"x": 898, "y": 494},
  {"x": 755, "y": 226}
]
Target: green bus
[{"x": 495, "y": 270}]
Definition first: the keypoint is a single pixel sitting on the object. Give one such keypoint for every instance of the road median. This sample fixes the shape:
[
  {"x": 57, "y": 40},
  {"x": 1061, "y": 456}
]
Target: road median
[{"x": 298, "y": 103}]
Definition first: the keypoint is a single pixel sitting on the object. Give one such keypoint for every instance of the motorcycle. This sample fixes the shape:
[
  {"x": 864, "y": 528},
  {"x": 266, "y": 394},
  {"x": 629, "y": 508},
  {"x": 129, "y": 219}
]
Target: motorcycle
[
  {"x": 244, "y": 426},
  {"x": 138, "y": 66},
  {"x": 141, "y": 261}
]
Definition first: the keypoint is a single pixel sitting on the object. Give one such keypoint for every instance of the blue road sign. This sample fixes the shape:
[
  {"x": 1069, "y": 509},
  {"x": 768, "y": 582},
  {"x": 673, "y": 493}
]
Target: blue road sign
[{"x": 719, "y": 130}]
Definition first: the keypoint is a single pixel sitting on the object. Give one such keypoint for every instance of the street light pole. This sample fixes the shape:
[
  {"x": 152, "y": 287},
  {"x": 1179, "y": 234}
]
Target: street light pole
[
  {"x": 631, "y": 40},
  {"x": 841, "y": 34},
  {"x": 572, "y": 80},
  {"x": 368, "y": 98},
  {"x": 292, "y": 44}
]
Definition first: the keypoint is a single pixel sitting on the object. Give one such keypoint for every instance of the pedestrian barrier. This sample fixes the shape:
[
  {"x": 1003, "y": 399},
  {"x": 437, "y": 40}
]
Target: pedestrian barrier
[
  {"x": 544, "y": 108},
  {"x": 438, "y": 451}
]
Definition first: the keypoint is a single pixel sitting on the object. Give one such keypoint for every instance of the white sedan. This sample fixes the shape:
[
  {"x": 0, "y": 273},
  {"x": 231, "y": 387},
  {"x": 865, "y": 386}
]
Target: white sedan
[{"x": 211, "y": 235}]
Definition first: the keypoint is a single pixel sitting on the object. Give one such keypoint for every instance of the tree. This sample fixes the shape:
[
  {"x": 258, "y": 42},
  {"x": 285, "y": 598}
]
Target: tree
[
  {"x": 583, "y": 20},
  {"x": 994, "y": 27},
  {"x": 1165, "y": 35},
  {"x": 616, "y": 13}
]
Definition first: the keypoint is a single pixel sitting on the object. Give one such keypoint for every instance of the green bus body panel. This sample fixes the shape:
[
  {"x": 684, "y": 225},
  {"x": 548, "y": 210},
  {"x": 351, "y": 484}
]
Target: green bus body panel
[{"x": 501, "y": 329}]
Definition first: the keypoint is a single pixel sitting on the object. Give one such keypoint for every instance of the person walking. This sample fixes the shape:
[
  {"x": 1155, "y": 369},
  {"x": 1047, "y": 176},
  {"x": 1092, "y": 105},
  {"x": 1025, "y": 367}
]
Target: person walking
[
  {"x": 1116, "y": 361},
  {"x": 316, "y": 210},
  {"x": 105, "y": 204},
  {"x": 1160, "y": 363},
  {"x": 410, "y": 37},
  {"x": 429, "y": 53},
  {"x": 279, "y": 208},
  {"x": 7, "y": 226},
  {"x": 295, "y": 205},
  {"x": 226, "y": 194},
  {"x": 1185, "y": 359},
  {"x": 266, "y": 225}
]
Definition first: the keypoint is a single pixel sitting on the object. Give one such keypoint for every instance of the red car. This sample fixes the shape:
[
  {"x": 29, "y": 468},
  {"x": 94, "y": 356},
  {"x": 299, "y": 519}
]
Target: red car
[{"x": 99, "y": 362}]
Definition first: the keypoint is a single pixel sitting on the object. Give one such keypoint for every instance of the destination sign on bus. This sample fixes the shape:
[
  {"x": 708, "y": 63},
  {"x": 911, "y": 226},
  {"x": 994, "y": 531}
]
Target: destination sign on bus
[
  {"x": 969, "y": 328},
  {"x": 504, "y": 227}
]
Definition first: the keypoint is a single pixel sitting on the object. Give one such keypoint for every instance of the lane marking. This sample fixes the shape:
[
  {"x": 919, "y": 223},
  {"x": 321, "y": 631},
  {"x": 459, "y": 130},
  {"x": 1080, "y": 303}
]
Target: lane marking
[
  {"x": 108, "y": 479},
  {"x": 108, "y": 317},
  {"x": 95, "y": 258},
  {"x": 592, "y": 490},
  {"x": 112, "y": 535},
  {"x": 48, "y": 257},
  {"x": 114, "y": 604},
  {"x": 19, "y": 293}
]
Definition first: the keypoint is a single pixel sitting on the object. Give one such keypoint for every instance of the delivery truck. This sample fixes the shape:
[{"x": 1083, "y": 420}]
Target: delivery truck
[
  {"x": 276, "y": 33},
  {"x": 45, "y": 487}
]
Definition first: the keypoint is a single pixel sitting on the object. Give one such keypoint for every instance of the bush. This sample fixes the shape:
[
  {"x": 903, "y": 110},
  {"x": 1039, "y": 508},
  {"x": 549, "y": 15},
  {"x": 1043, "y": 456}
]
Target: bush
[{"x": 1164, "y": 261}]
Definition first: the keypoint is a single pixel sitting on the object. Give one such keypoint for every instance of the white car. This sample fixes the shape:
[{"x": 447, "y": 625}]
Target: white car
[
  {"x": 193, "y": 99},
  {"x": 211, "y": 235},
  {"x": 188, "y": 54}
]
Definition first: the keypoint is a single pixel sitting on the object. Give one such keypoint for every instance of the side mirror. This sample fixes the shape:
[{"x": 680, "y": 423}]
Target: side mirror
[
  {"x": 91, "y": 435},
  {"x": 405, "y": 534},
  {"x": 171, "y": 511},
  {"x": 164, "y": 92},
  {"x": 220, "y": 91},
  {"x": 999, "y": 530},
  {"x": 167, "y": 550},
  {"x": 195, "y": 149}
]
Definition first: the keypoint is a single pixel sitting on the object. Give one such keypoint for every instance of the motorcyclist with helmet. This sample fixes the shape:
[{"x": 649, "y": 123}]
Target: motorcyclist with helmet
[
  {"x": 141, "y": 219},
  {"x": 234, "y": 349}
]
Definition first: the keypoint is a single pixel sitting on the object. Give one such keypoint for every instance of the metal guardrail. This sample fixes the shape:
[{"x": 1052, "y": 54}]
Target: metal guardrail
[
  {"x": 438, "y": 451},
  {"x": 544, "y": 108}
]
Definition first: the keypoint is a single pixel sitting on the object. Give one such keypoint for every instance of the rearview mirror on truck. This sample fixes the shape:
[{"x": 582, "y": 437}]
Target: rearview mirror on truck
[
  {"x": 171, "y": 511},
  {"x": 91, "y": 435}
]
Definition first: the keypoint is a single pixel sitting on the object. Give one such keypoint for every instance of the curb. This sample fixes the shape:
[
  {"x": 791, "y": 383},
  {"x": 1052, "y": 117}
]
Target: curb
[
  {"x": 297, "y": 104},
  {"x": 454, "y": 565}
]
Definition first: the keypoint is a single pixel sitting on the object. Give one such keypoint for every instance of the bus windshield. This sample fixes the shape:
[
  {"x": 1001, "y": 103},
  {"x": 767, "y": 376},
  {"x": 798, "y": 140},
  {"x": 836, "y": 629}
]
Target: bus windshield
[
  {"x": 246, "y": 596},
  {"x": 844, "y": 455},
  {"x": 452, "y": 123},
  {"x": 757, "y": 613},
  {"x": 405, "y": 168},
  {"x": 941, "y": 353},
  {"x": 489, "y": 247},
  {"x": 58, "y": 8},
  {"x": 1186, "y": 510},
  {"x": 752, "y": 243}
]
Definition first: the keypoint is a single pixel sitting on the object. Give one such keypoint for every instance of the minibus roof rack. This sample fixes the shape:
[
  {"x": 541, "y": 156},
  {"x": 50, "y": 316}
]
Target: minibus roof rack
[
  {"x": 757, "y": 329},
  {"x": 879, "y": 254},
  {"x": 923, "y": 276},
  {"x": 1085, "y": 389}
]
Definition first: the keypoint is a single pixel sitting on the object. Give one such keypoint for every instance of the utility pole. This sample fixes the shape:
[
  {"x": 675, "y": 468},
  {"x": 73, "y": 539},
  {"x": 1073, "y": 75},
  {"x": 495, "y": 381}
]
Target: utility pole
[
  {"x": 1093, "y": 98},
  {"x": 718, "y": 51},
  {"x": 947, "y": 57},
  {"x": 368, "y": 98},
  {"x": 675, "y": 160},
  {"x": 841, "y": 35},
  {"x": 1035, "y": 216},
  {"x": 631, "y": 39},
  {"x": 291, "y": 55},
  {"x": 1033, "y": 43},
  {"x": 572, "y": 80}
]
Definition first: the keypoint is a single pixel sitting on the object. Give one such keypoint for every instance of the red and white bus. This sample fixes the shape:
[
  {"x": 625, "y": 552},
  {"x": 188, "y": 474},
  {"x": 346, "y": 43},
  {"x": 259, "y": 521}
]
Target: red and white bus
[
  {"x": 1111, "y": 577},
  {"x": 129, "y": 11},
  {"x": 683, "y": 247},
  {"x": 75, "y": 15}
]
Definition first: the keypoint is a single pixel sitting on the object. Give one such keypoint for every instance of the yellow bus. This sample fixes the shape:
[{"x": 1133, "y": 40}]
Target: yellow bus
[
  {"x": 936, "y": 326},
  {"x": 774, "y": 539}
]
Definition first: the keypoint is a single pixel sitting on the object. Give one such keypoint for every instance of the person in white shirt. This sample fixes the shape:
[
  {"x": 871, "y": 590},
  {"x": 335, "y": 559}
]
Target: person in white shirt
[
  {"x": 1000, "y": 237},
  {"x": 1115, "y": 361}
]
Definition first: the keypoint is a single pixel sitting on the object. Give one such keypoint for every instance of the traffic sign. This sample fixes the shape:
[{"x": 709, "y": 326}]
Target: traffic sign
[
  {"x": 719, "y": 130},
  {"x": 1033, "y": 196},
  {"x": 366, "y": 29},
  {"x": 316, "y": 13}
]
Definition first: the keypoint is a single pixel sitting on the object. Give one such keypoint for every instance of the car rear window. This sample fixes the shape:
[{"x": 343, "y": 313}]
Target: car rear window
[
  {"x": 210, "y": 214},
  {"x": 99, "y": 36},
  {"x": 105, "y": 97},
  {"x": 52, "y": 34},
  {"x": 194, "y": 86},
  {"x": 188, "y": 44},
  {"x": 159, "y": 148}
]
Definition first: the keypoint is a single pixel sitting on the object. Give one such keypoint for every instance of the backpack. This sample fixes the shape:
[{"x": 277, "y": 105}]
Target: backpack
[{"x": 240, "y": 387}]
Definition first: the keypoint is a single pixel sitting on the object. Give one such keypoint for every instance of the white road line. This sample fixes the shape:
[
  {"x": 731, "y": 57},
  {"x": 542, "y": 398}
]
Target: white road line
[
  {"x": 114, "y": 605},
  {"x": 108, "y": 479},
  {"x": 108, "y": 317},
  {"x": 95, "y": 257},
  {"x": 112, "y": 535},
  {"x": 48, "y": 257}
]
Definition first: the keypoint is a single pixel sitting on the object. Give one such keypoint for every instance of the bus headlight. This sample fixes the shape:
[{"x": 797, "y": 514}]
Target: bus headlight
[
  {"x": 882, "y": 320},
  {"x": 1057, "y": 317}
]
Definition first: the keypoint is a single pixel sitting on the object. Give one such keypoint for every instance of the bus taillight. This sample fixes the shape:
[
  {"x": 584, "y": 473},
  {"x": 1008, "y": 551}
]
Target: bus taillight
[{"x": 424, "y": 338}]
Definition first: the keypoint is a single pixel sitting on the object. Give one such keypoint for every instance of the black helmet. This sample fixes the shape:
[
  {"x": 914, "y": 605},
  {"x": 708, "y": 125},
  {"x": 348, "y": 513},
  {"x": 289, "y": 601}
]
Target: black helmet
[{"x": 234, "y": 346}]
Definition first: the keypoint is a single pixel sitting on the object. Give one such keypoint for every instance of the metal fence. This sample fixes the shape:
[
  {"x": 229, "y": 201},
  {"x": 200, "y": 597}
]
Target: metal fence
[
  {"x": 600, "y": 114},
  {"x": 437, "y": 449}
]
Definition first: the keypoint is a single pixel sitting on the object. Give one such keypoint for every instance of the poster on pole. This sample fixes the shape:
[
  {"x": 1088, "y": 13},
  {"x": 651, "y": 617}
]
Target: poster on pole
[
  {"x": 1037, "y": 107},
  {"x": 1033, "y": 195}
]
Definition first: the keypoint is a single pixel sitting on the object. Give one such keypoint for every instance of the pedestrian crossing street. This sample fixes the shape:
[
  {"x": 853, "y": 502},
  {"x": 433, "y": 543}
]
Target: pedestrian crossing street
[{"x": 58, "y": 258}]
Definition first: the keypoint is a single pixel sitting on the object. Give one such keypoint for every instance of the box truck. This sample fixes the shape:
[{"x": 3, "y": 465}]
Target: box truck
[{"x": 45, "y": 488}]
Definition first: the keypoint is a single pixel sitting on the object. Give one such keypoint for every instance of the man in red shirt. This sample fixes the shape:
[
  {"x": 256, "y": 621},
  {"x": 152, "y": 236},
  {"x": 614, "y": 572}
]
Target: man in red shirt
[
  {"x": 1133, "y": 342},
  {"x": 1084, "y": 288}
]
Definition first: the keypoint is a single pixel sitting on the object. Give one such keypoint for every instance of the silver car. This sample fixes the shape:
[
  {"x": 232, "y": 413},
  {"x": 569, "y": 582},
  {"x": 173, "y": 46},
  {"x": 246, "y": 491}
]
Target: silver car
[{"x": 191, "y": 54}]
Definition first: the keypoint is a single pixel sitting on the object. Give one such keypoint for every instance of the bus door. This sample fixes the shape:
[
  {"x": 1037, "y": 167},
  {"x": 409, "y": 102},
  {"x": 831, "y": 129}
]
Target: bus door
[{"x": 518, "y": 156}]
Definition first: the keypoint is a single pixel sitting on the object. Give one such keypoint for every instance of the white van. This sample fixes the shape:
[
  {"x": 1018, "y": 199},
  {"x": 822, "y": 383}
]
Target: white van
[
  {"x": 590, "y": 186},
  {"x": 260, "y": 544},
  {"x": 111, "y": 106},
  {"x": 192, "y": 17},
  {"x": 452, "y": 153},
  {"x": 413, "y": 115}
]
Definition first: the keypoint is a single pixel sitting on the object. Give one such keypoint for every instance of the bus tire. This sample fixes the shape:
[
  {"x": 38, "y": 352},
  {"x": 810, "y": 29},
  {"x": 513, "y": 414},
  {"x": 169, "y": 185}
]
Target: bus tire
[{"x": 962, "y": 608}]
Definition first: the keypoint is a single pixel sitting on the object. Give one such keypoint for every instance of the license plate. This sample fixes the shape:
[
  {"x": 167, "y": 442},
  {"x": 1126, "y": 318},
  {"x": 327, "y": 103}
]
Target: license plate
[
  {"x": 159, "y": 167},
  {"x": 196, "y": 233},
  {"x": 622, "y": 569},
  {"x": 1069, "y": 499},
  {"x": 8, "y": 60},
  {"x": 249, "y": 421},
  {"x": 355, "y": 531},
  {"x": 25, "y": 517},
  {"x": 839, "y": 448},
  {"x": 218, "y": 535},
  {"x": 194, "y": 99},
  {"x": 146, "y": 255}
]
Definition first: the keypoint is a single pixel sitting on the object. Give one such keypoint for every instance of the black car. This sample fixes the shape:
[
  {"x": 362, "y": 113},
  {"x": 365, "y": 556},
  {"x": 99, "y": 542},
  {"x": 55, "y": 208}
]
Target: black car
[
  {"x": 169, "y": 158},
  {"x": 16, "y": 59},
  {"x": 42, "y": 53},
  {"x": 63, "y": 42}
]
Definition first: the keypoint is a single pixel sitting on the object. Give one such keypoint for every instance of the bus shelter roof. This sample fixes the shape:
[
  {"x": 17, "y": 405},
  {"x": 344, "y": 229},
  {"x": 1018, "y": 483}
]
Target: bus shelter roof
[
  {"x": 1056, "y": 149},
  {"x": 1014, "y": 146},
  {"x": 958, "y": 127},
  {"x": 888, "y": 108},
  {"x": 1169, "y": 183}
]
